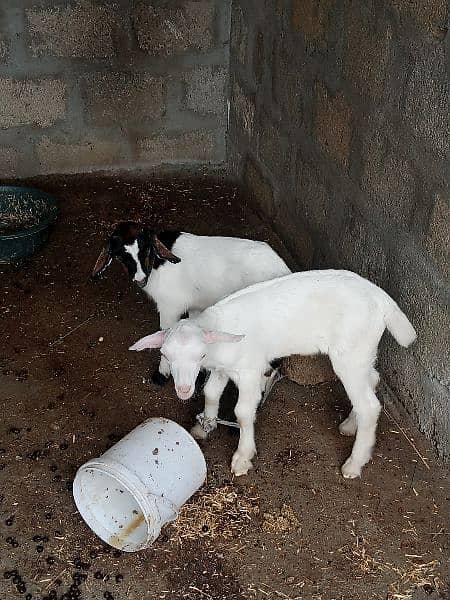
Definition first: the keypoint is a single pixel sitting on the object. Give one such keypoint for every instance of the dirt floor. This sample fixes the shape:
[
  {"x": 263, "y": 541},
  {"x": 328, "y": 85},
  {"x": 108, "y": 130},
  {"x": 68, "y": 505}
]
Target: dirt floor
[{"x": 293, "y": 528}]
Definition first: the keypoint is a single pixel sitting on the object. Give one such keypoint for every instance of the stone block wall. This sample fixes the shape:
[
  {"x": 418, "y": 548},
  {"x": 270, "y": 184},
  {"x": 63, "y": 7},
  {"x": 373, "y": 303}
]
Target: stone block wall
[
  {"x": 87, "y": 84},
  {"x": 340, "y": 128}
]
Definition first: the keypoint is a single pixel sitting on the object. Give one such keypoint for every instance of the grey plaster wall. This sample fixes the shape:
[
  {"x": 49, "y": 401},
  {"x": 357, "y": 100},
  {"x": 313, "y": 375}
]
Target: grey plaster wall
[
  {"x": 340, "y": 128},
  {"x": 88, "y": 85}
]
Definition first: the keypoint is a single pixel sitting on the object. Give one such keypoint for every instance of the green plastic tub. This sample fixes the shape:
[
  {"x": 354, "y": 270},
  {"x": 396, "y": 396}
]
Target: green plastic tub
[{"x": 25, "y": 218}]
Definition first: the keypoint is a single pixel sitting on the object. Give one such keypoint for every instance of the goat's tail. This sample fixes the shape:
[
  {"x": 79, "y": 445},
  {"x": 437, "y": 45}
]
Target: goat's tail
[{"x": 398, "y": 324}]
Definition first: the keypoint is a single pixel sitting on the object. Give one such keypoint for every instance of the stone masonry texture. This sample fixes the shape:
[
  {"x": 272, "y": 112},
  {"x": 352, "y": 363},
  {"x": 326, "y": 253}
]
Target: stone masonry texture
[
  {"x": 83, "y": 30},
  {"x": 340, "y": 130},
  {"x": 195, "y": 146},
  {"x": 170, "y": 29},
  {"x": 40, "y": 102},
  {"x": 86, "y": 84},
  {"x": 207, "y": 90},
  {"x": 114, "y": 97}
]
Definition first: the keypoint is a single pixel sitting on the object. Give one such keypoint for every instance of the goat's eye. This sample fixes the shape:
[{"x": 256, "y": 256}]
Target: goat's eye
[{"x": 204, "y": 356}]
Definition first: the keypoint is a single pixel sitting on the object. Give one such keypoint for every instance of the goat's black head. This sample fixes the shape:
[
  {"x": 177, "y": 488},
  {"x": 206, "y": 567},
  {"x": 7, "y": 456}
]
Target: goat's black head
[{"x": 136, "y": 248}]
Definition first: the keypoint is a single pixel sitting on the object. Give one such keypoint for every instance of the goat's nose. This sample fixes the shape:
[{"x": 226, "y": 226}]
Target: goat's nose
[
  {"x": 184, "y": 389},
  {"x": 141, "y": 282}
]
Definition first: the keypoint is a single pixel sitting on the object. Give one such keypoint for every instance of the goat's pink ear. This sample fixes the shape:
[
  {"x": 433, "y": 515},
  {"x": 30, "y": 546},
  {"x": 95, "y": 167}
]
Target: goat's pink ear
[
  {"x": 155, "y": 340},
  {"x": 215, "y": 337}
]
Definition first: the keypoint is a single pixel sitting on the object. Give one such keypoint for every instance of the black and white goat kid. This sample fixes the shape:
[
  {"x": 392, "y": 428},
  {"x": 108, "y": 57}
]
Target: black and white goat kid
[{"x": 186, "y": 273}]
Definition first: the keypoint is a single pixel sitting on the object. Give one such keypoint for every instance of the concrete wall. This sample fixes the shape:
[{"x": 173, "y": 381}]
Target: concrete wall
[
  {"x": 88, "y": 85},
  {"x": 340, "y": 126}
]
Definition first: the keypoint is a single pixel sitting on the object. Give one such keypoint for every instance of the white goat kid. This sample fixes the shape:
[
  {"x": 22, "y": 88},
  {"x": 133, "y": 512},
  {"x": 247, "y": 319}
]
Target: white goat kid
[
  {"x": 330, "y": 312},
  {"x": 183, "y": 272}
]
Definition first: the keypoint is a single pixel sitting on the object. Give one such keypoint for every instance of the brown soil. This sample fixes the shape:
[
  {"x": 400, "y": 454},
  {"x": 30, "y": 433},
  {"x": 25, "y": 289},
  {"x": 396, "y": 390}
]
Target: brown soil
[{"x": 66, "y": 396}]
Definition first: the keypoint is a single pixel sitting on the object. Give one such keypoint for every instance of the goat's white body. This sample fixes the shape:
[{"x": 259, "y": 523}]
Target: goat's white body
[
  {"x": 210, "y": 269},
  {"x": 332, "y": 312},
  {"x": 328, "y": 312}
]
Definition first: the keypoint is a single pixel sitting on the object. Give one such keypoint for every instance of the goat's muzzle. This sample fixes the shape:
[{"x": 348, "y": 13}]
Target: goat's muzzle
[
  {"x": 185, "y": 392},
  {"x": 142, "y": 283}
]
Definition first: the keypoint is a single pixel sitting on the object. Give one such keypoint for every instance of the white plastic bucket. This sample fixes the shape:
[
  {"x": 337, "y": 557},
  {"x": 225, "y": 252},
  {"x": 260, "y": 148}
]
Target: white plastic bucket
[{"x": 139, "y": 484}]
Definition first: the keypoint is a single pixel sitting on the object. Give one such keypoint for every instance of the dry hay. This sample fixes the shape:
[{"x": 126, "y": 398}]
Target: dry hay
[
  {"x": 411, "y": 576},
  {"x": 11, "y": 223},
  {"x": 282, "y": 522},
  {"x": 220, "y": 513}
]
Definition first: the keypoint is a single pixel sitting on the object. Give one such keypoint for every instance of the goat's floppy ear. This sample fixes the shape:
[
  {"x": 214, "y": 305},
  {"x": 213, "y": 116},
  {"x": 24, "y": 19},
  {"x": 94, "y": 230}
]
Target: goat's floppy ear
[
  {"x": 162, "y": 252},
  {"x": 214, "y": 337},
  {"x": 103, "y": 262},
  {"x": 155, "y": 340}
]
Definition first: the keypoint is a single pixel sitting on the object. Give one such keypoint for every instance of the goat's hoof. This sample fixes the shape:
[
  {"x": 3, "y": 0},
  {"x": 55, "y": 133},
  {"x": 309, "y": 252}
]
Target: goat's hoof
[
  {"x": 198, "y": 432},
  {"x": 240, "y": 465},
  {"x": 348, "y": 427},
  {"x": 350, "y": 470},
  {"x": 159, "y": 379}
]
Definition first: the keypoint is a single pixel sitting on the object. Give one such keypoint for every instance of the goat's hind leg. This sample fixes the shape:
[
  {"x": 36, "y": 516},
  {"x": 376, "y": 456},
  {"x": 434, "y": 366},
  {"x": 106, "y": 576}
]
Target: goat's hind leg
[
  {"x": 348, "y": 426},
  {"x": 358, "y": 383},
  {"x": 366, "y": 420}
]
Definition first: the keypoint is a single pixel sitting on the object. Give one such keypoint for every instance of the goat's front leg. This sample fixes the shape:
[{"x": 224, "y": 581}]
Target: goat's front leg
[
  {"x": 213, "y": 390},
  {"x": 167, "y": 319},
  {"x": 249, "y": 398}
]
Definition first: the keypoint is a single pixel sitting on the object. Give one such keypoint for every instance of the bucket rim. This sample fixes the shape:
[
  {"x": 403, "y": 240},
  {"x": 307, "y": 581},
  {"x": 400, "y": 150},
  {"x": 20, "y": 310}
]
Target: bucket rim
[
  {"x": 146, "y": 502},
  {"x": 148, "y": 496}
]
